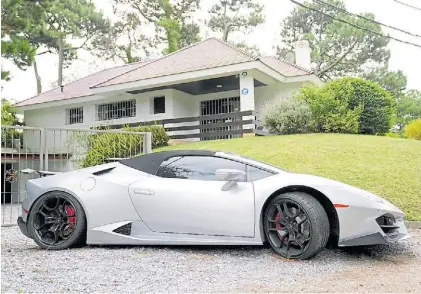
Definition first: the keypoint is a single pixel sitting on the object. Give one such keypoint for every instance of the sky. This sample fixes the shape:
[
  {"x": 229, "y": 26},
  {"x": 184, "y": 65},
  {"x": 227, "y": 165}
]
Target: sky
[{"x": 403, "y": 56}]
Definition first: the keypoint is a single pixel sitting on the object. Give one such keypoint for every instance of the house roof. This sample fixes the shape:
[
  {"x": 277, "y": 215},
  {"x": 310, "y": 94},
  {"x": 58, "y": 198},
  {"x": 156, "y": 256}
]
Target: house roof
[
  {"x": 284, "y": 67},
  {"x": 210, "y": 53},
  {"x": 80, "y": 87},
  {"x": 203, "y": 55}
]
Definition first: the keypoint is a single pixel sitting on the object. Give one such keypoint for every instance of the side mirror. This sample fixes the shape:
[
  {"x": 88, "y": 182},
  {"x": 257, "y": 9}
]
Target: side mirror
[{"x": 232, "y": 176}]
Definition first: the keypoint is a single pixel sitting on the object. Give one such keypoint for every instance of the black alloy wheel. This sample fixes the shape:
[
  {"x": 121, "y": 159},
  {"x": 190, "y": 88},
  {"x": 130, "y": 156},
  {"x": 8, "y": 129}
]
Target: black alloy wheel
[
  {"x": 57, "y": 221},
  {"x": 296, "y": 225}
]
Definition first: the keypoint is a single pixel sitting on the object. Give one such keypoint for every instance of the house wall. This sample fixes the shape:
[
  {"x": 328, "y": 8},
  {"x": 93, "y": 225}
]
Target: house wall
[
  {"x": 271, "y": 93},
  {"x": 55, "y": 117}
]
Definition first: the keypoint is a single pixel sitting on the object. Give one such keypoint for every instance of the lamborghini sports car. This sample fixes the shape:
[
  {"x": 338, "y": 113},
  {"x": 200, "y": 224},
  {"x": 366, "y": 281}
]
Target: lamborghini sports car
[{"x": 200, "y": 197}]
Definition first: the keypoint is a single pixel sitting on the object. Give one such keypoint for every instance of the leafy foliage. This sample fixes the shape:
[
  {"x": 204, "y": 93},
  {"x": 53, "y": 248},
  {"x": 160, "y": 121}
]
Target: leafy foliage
[
  {"x": 8, "y": 116},
  {"x": 103, "y": 146},
  {"x": 172, "y": 20},
  {"x": 287, "y": 116},
  {"x": 252, "y": 50},
  {"x": 378, "y": 106},
  {"x": 67, "y": 20},
  {"x": 331, "y": 111},
  {"x": 228, "y": 16},
  {"x": 125, "y": 40},
  {"x": 337, "y": 49},
  {"x": 392, "y": 81},
  {"x": 408, "y": 107},
  {"x": 413, "y": 129},
  {"x": 17, "y": 18}
]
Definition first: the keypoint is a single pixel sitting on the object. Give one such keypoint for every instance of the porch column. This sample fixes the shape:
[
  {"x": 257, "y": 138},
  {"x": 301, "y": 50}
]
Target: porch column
[{"x": 247, "y": 97}]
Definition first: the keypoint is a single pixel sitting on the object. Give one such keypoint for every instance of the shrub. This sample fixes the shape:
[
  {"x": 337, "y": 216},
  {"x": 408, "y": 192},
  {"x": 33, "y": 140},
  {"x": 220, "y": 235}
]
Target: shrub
[
  {"x": 287, "y": 116},
  {"x": 102, "y": 146},
  {"x": 413, "y": 129},
  {"x": 330, "y": 112},
  {"x": 378, "y": 106}
]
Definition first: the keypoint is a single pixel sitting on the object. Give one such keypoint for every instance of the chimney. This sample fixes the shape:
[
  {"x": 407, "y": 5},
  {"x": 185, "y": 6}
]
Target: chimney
[{"x": 302, "y": 54}]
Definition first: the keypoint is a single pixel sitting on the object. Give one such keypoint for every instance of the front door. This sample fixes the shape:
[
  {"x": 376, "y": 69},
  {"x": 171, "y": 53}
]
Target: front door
[
  {"x": 211, "y": 108},
  {"x": 187, "y": 198}
]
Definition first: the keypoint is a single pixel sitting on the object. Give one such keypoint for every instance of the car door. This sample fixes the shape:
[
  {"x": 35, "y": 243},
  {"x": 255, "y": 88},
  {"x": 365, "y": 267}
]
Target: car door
[{"x": 186, "y": 198}]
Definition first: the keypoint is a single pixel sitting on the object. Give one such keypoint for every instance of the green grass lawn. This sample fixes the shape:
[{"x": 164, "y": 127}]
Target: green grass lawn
[{"x": 388, "y": 167}]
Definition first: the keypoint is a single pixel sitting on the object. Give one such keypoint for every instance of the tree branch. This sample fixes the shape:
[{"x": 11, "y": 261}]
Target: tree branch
[
  {"x": 337, "y": 61},
  {"x": 138, "y": 8},
  {"x": 41, "y": 53},
  {"x": 78, "y": 47}
]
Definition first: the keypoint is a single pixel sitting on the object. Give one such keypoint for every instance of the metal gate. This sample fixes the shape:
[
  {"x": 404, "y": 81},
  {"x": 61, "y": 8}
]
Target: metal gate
[
  {"x": 59, "y": 150},
  {"x": 215, "y": 107}
]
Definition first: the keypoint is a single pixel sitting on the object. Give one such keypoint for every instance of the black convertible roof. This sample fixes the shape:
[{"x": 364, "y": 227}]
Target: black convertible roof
[{"x": 149, "y": 163}]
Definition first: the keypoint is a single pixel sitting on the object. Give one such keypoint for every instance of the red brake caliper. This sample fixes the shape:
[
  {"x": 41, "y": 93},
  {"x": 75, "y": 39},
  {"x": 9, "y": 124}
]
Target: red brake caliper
[
  {"x": 71, "y": 218},
  {"x": 278, "y": 225}
]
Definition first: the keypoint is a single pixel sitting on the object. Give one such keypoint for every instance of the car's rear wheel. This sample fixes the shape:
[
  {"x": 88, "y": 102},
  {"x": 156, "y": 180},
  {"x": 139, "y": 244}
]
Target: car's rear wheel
[
  {"x": 296, "y": 225},
  {"x": 57, "y": 221}
]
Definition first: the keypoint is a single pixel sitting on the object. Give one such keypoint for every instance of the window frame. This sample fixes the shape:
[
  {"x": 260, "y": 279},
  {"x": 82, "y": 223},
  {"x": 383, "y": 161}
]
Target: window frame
[
  {"x": 79, "y": 115},
  {"x": 154, "y": 106},
  {"x": 107, "y": 108},
  {"x": 272, "y": 173}
]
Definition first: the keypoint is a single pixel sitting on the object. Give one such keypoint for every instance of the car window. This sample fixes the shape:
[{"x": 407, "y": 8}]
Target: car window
[
  {"x": 254, "y": 173},
  {"x": 197, "y": 167}
]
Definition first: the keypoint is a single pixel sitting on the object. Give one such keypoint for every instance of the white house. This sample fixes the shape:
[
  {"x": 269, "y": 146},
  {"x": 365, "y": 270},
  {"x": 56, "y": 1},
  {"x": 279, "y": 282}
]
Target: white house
[{"x": 194, "y": 85}]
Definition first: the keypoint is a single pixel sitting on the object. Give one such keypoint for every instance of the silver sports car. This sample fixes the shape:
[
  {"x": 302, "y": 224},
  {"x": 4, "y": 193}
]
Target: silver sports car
[{"x": 197, "y": 197}]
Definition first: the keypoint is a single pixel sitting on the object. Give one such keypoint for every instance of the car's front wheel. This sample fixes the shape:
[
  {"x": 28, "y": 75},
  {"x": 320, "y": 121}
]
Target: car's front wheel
[
  {"x": 296, "y": 225},
  {"x": 57, "y": 221}
]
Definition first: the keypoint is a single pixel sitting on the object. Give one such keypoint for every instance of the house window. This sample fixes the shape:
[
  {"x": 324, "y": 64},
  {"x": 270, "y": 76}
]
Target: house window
[
  {"x": 74, "y": 115},
  {"x": 159, "y": 105},
  {"x": 116, "y": 110}
]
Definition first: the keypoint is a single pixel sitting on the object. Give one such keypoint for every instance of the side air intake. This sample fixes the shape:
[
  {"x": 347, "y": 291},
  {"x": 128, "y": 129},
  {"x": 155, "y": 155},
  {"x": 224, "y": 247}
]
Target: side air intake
[
  {"x": 124, "y": 230},
  {"x": 388, "y": 225}
]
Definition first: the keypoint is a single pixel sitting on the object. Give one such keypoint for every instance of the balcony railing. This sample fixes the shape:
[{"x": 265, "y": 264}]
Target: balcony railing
[{"x": 208, "y": 127}]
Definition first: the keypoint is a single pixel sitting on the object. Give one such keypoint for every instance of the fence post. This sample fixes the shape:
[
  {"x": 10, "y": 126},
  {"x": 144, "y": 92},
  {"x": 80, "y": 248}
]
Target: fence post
[
  {"x": 46, "y": 149},
  {"x": 147, "y": 143},
  {"x": 41, "y": 148}
]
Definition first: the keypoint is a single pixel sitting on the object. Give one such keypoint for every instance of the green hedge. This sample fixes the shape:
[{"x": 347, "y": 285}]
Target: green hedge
[
  {"x": 350, "y": 105},
  {"x": 330, "y": 110},
  {"x": 378, "y": 106}
]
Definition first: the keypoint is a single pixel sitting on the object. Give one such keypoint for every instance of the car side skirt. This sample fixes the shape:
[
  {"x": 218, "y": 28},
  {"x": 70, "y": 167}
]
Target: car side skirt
[{"x": 139, "y": 234}]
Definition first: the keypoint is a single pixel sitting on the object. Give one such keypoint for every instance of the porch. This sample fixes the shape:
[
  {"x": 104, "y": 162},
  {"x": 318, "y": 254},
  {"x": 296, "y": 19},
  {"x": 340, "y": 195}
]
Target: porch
[{"x": 207, "y": 108}]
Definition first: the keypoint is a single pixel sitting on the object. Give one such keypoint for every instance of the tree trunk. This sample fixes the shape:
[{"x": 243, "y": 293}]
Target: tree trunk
[
  {"x": 60, "y": 62},
  {"x": 38, "y": 78},
  {"x": 226, "y": 24},
  {"x": 225, "y": 35}
]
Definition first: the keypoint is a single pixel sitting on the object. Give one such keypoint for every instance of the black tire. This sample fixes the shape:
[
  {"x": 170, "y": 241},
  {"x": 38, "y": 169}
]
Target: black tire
[
  {"x": 76, "y": 237},
  {"x": 299, "y": 233}
]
